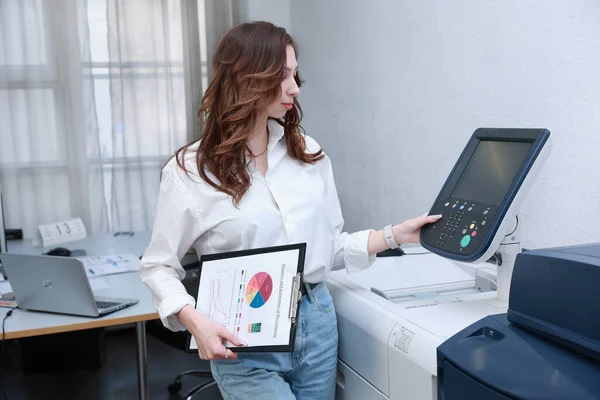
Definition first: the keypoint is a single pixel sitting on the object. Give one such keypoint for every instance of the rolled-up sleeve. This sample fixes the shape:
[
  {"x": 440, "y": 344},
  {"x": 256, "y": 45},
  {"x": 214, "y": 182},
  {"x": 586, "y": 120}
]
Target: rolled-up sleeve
[
  {"x": 351, "y": 249},
  {"x": 176, "y": 226}
]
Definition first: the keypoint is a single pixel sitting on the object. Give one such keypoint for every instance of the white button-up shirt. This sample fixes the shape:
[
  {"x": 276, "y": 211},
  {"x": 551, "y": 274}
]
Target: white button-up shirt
[{"x": 293, "y": 203}]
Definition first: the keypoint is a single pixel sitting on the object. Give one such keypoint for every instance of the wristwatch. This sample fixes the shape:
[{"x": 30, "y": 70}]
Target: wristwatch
[{"x": 389, "y": 237}]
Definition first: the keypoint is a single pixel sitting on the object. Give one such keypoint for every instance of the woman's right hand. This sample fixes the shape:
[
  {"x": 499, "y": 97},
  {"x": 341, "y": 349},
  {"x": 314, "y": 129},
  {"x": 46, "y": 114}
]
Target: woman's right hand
[{"x": 209, "y": 335}]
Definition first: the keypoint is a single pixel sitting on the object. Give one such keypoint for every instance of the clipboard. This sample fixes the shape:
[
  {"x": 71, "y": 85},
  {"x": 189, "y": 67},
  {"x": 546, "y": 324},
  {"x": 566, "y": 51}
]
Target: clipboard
[{"x": 253, "y": 293}]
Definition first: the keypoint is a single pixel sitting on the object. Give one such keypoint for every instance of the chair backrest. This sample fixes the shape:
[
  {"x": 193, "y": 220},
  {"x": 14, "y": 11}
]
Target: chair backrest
[{"x": 181, "y": 339}]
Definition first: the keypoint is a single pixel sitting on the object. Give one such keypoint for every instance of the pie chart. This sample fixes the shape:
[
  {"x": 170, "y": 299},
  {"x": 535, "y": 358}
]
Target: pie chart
[{"x": 259, "y": 289}]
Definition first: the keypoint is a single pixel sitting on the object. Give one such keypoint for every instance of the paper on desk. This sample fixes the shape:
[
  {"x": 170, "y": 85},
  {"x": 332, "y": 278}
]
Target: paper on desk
[
  {"x": 111, "y": 264},
  {"x": 6, "y": 302},
  {"x": 5, "y": 287}
]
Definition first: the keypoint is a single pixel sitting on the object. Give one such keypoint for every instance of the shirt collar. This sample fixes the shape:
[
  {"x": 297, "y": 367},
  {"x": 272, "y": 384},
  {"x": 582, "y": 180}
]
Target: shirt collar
[{"x": 276, "y": 131}]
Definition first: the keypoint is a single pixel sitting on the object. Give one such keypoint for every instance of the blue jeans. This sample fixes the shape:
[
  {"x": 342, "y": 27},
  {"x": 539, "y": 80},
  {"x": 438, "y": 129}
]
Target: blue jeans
[{"x": 307, "y": 373}]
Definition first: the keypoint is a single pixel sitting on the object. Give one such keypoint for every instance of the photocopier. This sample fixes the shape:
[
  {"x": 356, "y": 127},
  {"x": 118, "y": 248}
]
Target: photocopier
[
  {"x": 547, "y": 346},
  {"x": 468, "y": 315}
]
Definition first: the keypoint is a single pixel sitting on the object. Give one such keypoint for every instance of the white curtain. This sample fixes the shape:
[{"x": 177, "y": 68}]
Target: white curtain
[{"x": 95, "y": 95}]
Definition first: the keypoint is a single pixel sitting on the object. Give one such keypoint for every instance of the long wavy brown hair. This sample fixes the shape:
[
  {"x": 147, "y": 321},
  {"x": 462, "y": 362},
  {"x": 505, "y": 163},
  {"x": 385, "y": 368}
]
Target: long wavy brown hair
[{"x": 248, "y": 66}]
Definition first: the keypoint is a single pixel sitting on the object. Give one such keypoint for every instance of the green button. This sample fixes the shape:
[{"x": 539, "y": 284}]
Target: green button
[{"x": 465, "y": 241}]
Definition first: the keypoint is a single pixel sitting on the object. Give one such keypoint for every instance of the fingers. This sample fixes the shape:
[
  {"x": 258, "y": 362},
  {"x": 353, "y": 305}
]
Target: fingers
[
  {"x": 230, "y": 355},
  {"x": 419, "y": 222},
  {"x": 427, "y": 219},
  {"x": 212, "y": 347},
  {"x": 217, "y": 352},
  {"x": 226, "y": 335}
]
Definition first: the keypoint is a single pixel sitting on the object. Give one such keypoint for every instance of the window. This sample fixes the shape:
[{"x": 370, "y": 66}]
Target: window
[
  {"x": 95, "y": 95},
  {"x": 138, "y": 78},
  {"x": 31, "y": 91}
]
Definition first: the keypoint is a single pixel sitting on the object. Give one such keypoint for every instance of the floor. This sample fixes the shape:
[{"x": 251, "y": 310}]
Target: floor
[{"x": 116, "y": 379}]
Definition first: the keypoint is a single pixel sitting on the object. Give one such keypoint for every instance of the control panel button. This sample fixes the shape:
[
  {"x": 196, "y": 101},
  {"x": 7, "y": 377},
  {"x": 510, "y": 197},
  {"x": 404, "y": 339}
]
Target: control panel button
[
  {"x": 483, "y": 222},
  {"x": 474, "y": 233},
  {"x": 472, "y": 226},
  {"x": 485, "y": 212},
  {"x": 465, "y": 241}
]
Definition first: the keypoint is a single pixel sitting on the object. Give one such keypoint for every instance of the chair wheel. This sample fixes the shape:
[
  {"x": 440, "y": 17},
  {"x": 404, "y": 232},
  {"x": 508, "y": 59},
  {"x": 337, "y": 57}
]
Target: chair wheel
[{"x": 174, "y": 387}]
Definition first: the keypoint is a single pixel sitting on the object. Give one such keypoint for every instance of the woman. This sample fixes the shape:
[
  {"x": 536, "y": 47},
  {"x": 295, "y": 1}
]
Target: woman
[{"x": 254, "y": 180}]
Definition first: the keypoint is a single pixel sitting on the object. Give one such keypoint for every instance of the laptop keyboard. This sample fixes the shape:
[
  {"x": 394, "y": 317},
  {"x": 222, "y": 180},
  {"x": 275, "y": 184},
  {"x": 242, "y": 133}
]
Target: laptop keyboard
[{"x": 106, "y": 304}]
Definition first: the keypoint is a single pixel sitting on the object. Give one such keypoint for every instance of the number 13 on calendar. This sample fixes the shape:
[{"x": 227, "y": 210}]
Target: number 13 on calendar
[{"x": 59, "y": 232}]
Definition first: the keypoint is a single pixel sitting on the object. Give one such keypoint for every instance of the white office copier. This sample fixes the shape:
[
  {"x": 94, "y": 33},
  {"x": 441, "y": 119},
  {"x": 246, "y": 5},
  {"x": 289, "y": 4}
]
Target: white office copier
[
  {"x": 393, "y": 316},
  {"x": 387, "y": 347}
]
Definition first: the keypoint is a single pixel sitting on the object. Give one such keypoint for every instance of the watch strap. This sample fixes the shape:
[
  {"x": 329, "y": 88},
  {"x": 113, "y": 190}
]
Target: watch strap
[{"x": 389, "y": 237}]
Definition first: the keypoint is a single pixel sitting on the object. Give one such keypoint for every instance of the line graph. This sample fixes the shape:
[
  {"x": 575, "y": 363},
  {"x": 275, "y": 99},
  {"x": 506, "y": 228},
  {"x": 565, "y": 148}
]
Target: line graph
[{"x": 216, "y": 310}]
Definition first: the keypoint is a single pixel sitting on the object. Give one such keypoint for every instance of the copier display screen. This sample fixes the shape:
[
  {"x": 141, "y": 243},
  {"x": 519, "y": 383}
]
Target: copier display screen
[{"x": 491, "y": 171}]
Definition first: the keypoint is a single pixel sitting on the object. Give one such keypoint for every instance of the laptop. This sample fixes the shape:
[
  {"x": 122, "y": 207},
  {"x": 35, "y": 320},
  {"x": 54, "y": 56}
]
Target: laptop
[{"x": 57, "y": 285}]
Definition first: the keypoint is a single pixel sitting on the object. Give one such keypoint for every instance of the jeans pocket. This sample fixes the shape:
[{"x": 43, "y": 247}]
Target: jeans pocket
[{"x": 322, "y": 298}]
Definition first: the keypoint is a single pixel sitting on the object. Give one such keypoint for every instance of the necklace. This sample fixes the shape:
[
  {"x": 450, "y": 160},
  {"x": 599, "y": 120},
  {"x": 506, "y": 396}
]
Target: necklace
[
  {"x": 265, "y": 150},
  {"x": 261, "y": 153}
]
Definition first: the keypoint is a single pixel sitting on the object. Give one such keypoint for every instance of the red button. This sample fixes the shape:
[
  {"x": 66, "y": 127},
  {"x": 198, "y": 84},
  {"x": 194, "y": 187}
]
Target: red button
[{"x": 473, "y": 233}]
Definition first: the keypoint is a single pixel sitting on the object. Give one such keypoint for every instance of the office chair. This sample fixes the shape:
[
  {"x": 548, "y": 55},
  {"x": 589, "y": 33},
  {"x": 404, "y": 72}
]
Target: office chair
[
  {"x": 175, "y": 387},
  {"x": 179, "y": 341}
]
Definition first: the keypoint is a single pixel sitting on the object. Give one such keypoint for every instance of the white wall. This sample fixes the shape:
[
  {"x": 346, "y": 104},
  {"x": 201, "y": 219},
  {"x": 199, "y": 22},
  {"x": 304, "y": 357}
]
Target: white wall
[
  {"x": 275, "y": 11},
  {"x": 394, "y": 89}
]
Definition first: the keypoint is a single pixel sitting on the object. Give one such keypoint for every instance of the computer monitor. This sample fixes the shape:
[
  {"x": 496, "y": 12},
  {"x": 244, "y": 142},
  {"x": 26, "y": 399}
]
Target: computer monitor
[
  {"x": 484, "y": 191},
  {"x": 2, "y": 236},
  {"x": 2, "y": 227}
]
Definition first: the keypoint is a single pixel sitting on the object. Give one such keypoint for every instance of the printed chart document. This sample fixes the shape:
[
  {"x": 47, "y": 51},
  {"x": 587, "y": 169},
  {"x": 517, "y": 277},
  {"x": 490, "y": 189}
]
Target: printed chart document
[
  {"x": 254, "y": 294},
  {"x": 110, "y": 264}
]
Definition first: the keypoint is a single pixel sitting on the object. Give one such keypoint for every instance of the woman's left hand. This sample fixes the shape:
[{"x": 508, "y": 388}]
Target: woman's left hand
[{"x": 410, "y": 230}]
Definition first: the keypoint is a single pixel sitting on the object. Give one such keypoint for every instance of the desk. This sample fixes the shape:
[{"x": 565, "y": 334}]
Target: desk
[
  {"x": 95, "y": 245},
  {"x": 24, "y": 323}
]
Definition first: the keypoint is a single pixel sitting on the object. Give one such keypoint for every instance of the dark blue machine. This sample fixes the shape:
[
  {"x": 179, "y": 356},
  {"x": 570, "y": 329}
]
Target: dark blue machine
[
  {"x": 555, "y": 293},
  {"x": 549, "y": 348}
]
